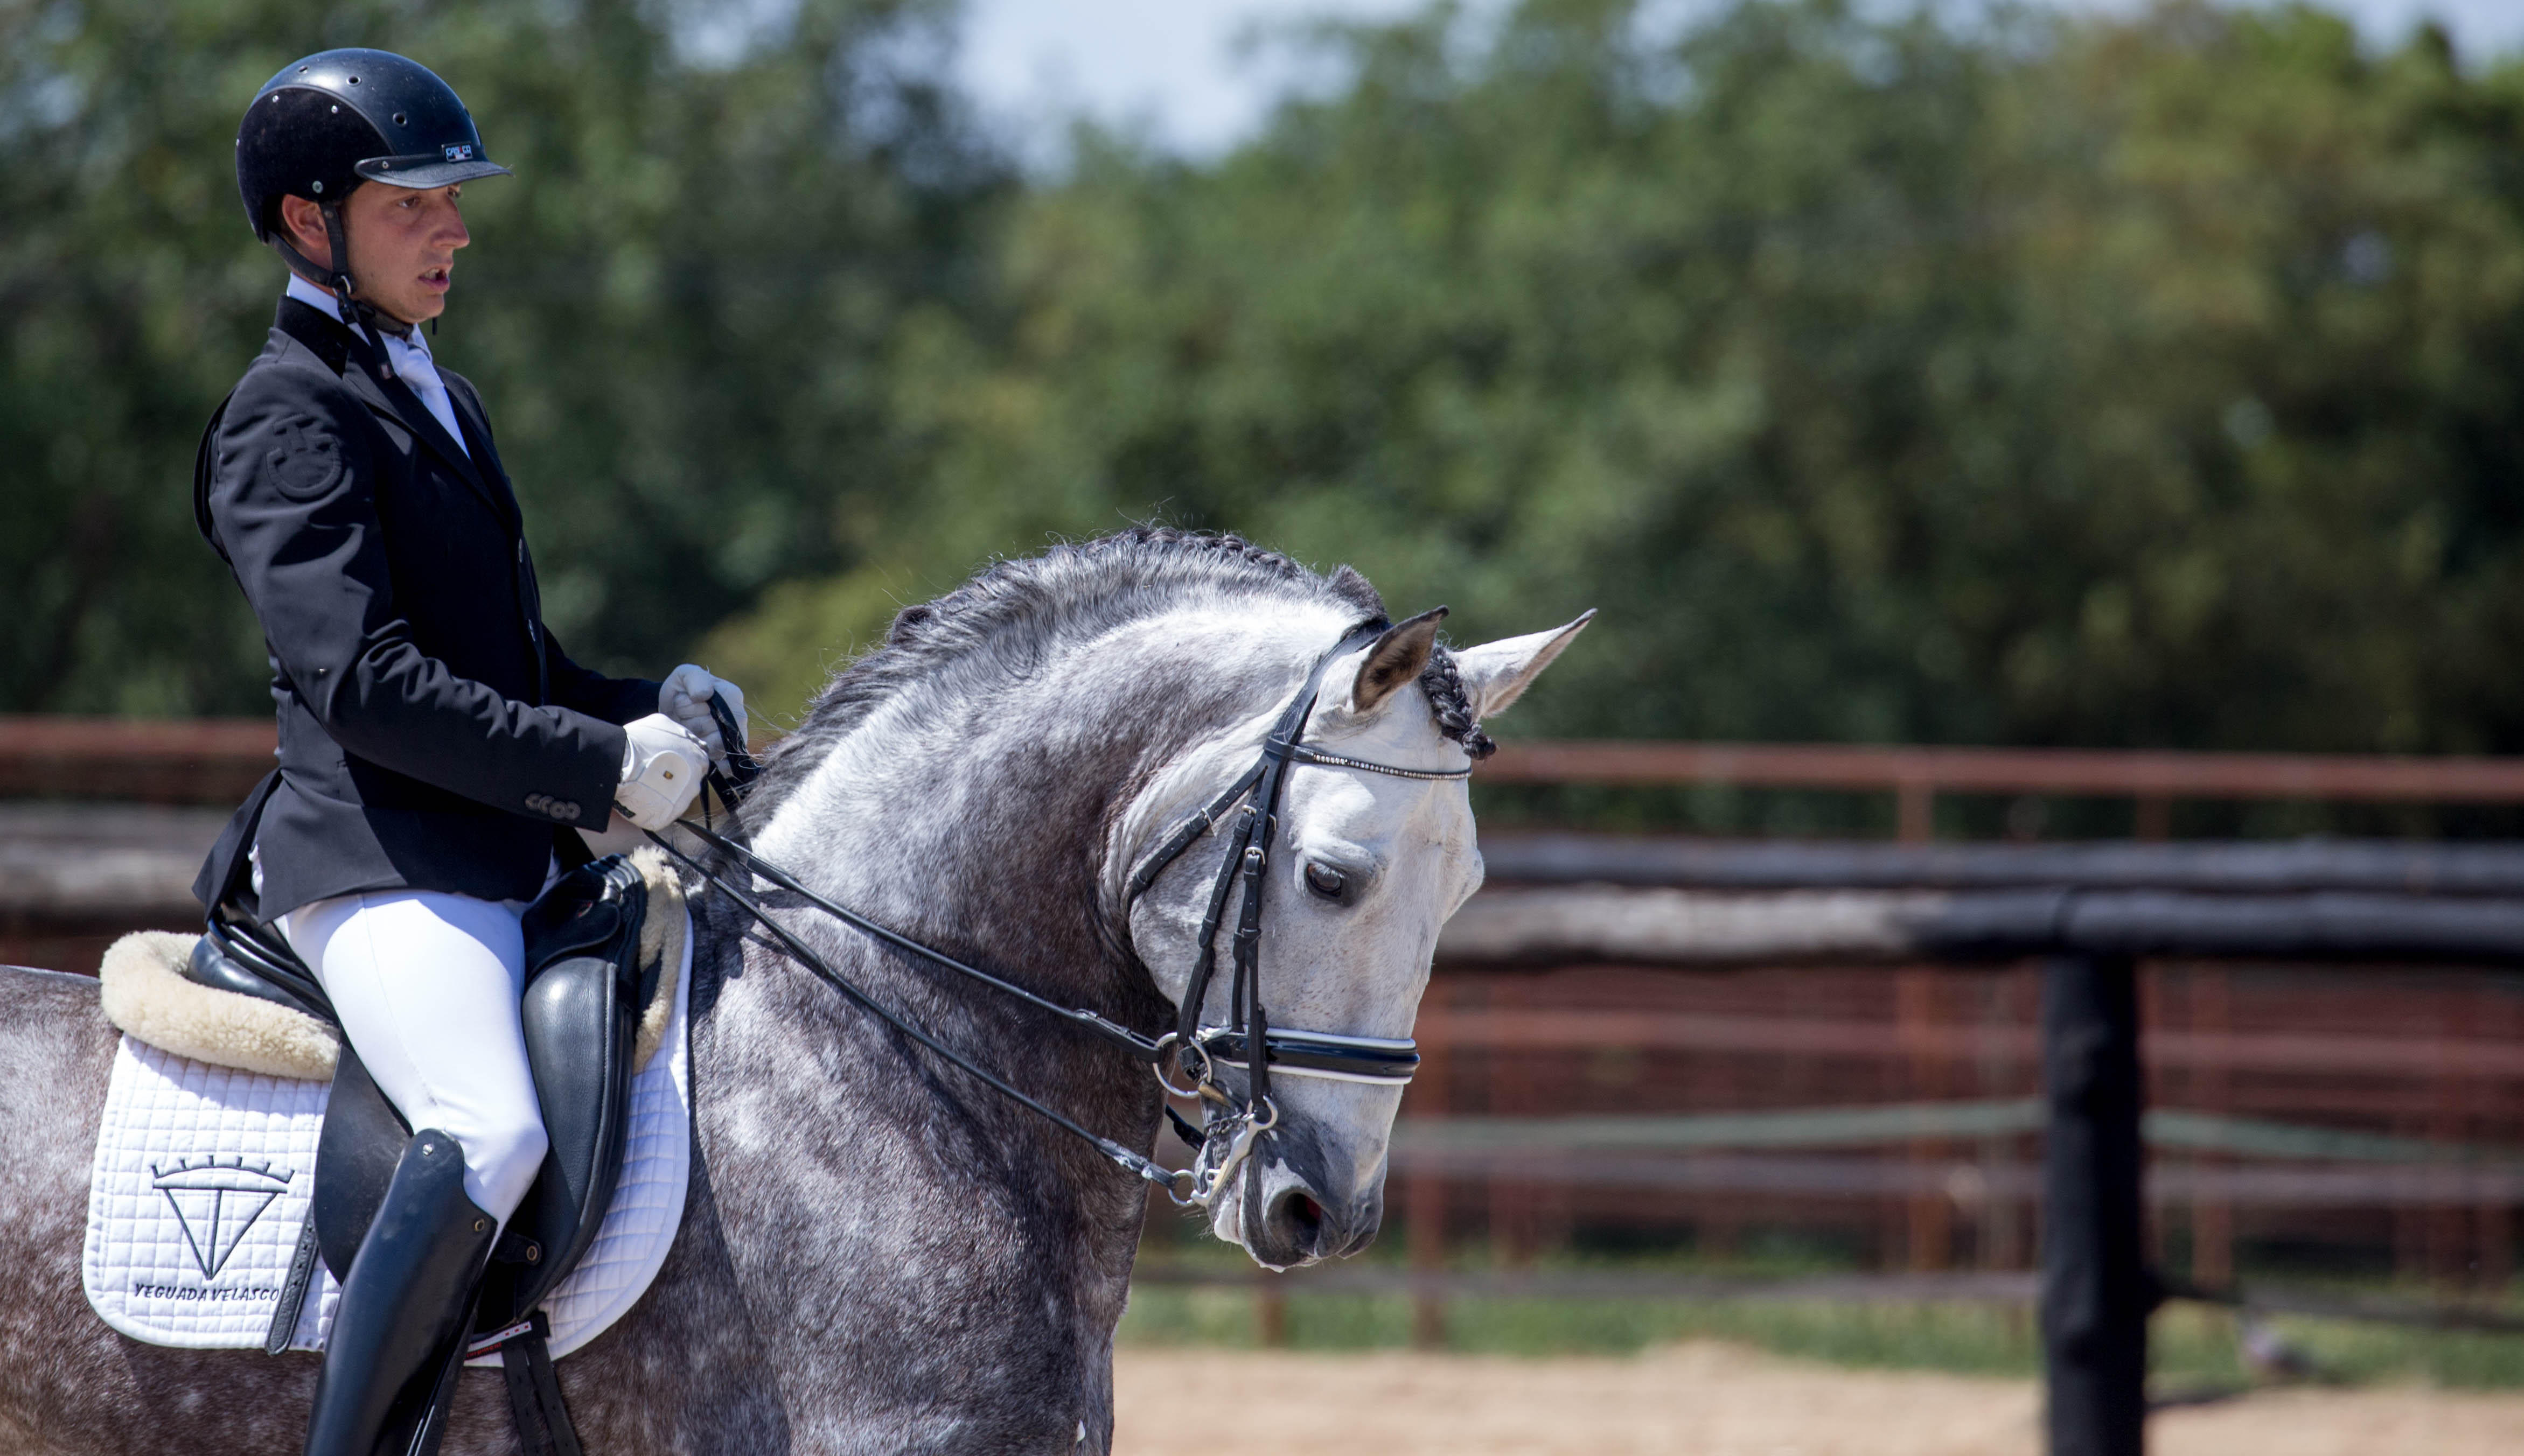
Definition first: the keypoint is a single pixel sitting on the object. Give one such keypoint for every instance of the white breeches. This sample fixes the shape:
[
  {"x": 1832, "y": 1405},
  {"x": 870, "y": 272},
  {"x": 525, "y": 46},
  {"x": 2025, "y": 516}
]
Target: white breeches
[{"x": 426, "y": 985}]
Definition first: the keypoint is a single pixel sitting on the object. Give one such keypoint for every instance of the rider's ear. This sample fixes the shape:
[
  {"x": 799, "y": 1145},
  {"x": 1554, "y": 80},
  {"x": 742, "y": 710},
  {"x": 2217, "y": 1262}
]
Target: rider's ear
[
  {"x": 1498, "y": 674},
  {"x": 1395, "y": 658}
]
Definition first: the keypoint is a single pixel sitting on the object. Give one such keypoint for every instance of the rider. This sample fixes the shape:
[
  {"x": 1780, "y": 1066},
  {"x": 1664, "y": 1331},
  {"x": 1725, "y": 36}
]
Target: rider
[{"x": 437, "y": 747}]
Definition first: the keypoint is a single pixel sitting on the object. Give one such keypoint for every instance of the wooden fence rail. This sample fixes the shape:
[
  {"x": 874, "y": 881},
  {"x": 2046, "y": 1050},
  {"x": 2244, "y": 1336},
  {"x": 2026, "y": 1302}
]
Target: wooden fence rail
[
  {"x": 1916, "y": 776},
  {"x": 203, "y": 760},
  {"x": 213, "y": 761}
]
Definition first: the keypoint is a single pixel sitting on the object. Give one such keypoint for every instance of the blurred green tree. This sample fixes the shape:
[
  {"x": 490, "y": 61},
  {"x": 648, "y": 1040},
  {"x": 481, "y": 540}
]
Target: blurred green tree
[
  {"x": 680, "y": 311},
  {"x": 2104, "y": 381},
  {"x": 2142, "y": 381}
]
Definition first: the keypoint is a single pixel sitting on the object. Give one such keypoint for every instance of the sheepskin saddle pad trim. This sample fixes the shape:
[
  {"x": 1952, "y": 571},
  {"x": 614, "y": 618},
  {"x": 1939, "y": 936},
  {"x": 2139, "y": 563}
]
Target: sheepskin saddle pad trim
[
  {"x": 147, "y": 995},
  {"x": 203, "y": 1181}
]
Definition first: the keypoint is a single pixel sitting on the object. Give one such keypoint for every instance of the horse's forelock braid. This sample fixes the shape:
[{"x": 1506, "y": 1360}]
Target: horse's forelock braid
[{"x": 1445, "y": 685}]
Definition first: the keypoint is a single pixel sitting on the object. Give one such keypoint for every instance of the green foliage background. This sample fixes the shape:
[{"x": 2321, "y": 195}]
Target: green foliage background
[
  {"x": 2147, "y": 381},
  {"x": 682, "y": 311}
]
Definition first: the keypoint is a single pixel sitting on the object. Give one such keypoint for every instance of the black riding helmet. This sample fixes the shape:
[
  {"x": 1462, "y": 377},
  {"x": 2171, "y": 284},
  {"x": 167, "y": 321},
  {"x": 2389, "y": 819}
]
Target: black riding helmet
[{"x": 334, "y": 120}]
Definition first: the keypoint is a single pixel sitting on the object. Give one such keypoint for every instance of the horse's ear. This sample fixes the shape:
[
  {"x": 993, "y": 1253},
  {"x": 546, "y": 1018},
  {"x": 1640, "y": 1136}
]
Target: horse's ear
[
  {"x": 1496, "y": 673},
  {"x": 1395, "y": 658}
]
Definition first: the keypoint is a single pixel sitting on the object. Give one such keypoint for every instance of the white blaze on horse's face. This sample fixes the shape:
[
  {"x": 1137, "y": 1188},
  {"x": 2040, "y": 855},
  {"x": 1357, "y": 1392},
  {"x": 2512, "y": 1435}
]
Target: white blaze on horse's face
[{"x": 1365, "y": 870}]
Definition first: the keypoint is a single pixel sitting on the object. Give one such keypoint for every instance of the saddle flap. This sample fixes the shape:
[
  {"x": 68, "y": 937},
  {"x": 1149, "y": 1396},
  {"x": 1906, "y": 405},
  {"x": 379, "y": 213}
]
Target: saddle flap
[
  {"x": 587, "y": 985},
  {"x": 355, "y": 1156}
]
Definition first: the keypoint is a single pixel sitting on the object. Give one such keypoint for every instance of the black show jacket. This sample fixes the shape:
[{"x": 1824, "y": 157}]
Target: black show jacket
[{"x": 432, "y": 734}]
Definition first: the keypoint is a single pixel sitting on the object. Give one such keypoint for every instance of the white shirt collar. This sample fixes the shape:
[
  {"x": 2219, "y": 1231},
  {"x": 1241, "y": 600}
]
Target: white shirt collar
[{"x": 322, "y": 302}]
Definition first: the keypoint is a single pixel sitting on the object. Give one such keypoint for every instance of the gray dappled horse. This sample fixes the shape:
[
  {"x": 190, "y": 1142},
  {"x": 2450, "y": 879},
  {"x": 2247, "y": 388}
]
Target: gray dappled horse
[{"x": 879, "y": 1253}]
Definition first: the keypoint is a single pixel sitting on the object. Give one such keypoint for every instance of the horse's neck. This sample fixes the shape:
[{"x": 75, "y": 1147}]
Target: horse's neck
[
  {"x": 986, "y": 848},
  {"x": 871, "y": 1216},
  {"x": 986, "y": 851},
  {"x": 985, "y": 834}
]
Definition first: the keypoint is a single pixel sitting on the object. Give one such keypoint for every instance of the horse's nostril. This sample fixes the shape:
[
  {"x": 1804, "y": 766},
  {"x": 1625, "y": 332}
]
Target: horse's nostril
[{"x": 1304, "y": 1219}]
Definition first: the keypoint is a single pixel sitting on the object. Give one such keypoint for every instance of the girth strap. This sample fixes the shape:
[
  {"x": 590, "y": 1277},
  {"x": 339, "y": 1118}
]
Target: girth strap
[{"x": 535, "y": 1404}]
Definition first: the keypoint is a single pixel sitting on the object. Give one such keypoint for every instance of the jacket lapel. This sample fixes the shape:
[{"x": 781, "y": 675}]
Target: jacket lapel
[
  {"x": 477, "y": 438},
  {"x": 388, "y": 395}
]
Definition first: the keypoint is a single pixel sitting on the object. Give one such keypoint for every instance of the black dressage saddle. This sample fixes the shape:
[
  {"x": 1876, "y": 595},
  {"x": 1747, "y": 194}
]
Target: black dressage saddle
[{"x": 584, "y": 991}]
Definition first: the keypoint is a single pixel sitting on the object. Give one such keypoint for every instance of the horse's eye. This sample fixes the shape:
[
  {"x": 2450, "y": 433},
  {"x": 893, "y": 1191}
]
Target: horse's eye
[{"x": 1326, "y": 881}]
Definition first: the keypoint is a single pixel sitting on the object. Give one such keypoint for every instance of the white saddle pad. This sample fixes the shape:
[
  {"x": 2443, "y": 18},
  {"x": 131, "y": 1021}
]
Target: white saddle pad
[{"x": 203, "y": 1176}]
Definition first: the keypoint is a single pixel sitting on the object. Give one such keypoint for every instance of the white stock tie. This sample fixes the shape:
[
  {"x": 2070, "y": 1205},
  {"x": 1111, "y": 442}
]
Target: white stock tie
[{"x": 411, "y": 360}]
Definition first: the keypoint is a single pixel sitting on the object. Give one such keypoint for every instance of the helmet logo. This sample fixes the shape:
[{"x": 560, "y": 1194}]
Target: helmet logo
[{"x": 459, "y": 150}]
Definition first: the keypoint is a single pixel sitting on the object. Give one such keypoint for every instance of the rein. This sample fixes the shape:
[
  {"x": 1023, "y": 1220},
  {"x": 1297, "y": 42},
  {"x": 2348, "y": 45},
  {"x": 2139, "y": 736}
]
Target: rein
[{"x": 1198, "y": 1051}]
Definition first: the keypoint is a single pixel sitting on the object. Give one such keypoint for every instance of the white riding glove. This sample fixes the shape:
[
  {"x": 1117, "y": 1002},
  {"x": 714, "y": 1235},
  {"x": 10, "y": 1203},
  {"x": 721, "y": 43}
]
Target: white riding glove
[
  {"x": 661, "y": 772},
  {"x": 685, "y": 697}
]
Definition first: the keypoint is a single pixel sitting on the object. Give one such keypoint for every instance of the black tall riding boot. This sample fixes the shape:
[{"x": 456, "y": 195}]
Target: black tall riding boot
[{"x": 404, "y": 1304}]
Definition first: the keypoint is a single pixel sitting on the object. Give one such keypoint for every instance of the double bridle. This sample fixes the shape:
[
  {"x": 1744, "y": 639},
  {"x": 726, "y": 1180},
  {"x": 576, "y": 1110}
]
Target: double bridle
[{"x": 1197, "y": 1051}]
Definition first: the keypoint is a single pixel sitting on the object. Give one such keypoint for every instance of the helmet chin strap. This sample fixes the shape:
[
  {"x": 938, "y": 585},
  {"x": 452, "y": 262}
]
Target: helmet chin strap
[{"x": 356, "y": 314}]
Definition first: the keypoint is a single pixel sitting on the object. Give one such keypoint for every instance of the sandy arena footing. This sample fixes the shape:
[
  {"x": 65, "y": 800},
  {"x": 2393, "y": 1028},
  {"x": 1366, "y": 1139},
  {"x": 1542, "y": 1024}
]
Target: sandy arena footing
[{"x": 1710, "y": 1399}]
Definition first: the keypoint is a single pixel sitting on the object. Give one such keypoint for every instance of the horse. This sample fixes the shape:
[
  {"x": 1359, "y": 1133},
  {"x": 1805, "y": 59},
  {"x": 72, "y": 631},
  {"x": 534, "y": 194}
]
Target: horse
[{"x": 878, "y": 1252}]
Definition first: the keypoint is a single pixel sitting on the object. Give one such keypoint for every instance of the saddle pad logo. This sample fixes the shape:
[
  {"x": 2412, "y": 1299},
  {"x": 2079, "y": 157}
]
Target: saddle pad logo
[
  {"x": 216, "y": 1202},
  {"x": 462, "y": 151}
]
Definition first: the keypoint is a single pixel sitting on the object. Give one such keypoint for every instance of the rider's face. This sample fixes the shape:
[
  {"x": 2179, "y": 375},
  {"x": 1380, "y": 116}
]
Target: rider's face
[{"x": 403, "y": 244}]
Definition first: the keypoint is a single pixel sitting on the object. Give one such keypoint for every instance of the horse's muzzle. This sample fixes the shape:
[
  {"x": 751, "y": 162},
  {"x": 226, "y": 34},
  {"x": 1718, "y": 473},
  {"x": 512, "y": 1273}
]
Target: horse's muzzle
[
  {"x": 1298, "y": 1228},
  {"x": 1298, "y": 1219}
]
